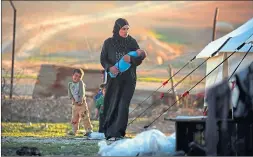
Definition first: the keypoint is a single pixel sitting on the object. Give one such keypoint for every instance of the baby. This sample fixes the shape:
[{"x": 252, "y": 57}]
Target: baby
[{"x": 125, "y": 62}]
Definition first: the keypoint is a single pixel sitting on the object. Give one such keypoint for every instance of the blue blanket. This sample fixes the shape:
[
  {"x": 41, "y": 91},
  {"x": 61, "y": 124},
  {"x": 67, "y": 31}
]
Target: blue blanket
[{"x": 123, "y": 66}]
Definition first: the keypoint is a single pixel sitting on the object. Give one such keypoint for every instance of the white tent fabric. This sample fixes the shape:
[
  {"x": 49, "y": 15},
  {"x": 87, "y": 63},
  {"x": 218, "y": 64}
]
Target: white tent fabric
[
  {"x": 250, "y": 40},
  {"x": 234, "y": 42},
  {"x": 217, "y": 75},
  {"x": 242, "y": 33}
]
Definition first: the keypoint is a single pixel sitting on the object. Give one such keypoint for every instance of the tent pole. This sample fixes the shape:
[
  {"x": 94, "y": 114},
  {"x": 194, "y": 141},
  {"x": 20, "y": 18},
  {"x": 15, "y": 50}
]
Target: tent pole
[
  {"x": 225, "y": 67},
  {"x": 213, "y": 38},
  {"x": 214, "y": 23},
  {"x": 13, "y": 48}
]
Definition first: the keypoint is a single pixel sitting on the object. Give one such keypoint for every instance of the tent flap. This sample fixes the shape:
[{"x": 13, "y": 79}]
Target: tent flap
[{"x": 239, "y": 36}]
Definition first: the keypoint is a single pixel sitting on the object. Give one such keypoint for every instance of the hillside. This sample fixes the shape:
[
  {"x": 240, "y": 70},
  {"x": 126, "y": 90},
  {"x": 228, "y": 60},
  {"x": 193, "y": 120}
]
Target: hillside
[{"x": 64, "y": 33}]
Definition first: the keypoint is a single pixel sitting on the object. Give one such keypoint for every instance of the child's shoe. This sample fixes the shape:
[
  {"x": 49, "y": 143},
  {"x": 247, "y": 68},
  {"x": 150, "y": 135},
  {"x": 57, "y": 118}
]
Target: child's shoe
[
  {"x": 88, "y": 133},
  {"x": 71, "y": 133}
]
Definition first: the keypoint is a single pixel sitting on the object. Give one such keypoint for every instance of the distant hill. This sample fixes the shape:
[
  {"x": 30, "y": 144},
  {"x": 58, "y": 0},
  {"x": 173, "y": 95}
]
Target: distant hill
[{"x": 72, "y": 33}]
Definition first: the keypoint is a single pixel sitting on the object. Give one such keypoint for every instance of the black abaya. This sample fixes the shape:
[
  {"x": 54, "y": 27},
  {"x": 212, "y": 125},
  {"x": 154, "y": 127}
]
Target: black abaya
[{"x": 119, "y": 90}]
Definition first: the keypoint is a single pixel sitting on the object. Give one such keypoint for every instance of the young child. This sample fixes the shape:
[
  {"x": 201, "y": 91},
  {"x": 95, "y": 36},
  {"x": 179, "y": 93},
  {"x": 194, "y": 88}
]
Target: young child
[
  {"x": 76, "y": 92},
  {"x": 99, "y": 93},
  {"x": 100, "y": 108}
]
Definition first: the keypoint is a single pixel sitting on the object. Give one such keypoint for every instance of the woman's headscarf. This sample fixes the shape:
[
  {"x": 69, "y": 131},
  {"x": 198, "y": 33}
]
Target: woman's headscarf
[
  {"x": 119, "y": 23},
  {"x": 121, "y": 44}
]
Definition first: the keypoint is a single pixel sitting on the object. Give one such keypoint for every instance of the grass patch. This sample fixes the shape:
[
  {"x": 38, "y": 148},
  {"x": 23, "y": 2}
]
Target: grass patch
[
  {"x": 46, "y": 130},
  {"x": 161, "y": 80},
  {"x": 80, "y": 149},
  {"x": 150, "y": 79},
  {"x": 40, "y": 129},
  {"x": 43, "y": 129},
  {"x": 39, "y": 132}
]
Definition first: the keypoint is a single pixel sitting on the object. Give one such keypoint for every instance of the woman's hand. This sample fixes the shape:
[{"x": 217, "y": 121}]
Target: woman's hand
[
  {"x": 127, "y": 58},
  {"x": 114, "y": 70}
]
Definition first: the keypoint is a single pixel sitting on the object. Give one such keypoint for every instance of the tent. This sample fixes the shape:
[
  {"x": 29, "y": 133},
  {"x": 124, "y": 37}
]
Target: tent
[{"x": 224, "y": 47}]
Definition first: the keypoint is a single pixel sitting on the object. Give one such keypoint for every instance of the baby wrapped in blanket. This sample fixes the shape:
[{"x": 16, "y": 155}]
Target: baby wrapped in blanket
[{"x": 122, "y": 65}]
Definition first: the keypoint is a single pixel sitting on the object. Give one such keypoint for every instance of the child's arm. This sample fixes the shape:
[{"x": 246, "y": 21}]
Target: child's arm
[
  {"x": 69, "y": 92},
  {"x": 81, "y": 93}
]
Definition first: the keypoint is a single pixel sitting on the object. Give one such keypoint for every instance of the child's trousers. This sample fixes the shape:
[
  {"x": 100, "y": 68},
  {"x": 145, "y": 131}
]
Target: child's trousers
[{"x": 81, "y": 112}]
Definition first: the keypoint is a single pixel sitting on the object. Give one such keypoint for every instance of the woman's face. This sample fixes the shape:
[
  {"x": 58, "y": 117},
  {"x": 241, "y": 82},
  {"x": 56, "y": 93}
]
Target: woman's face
[{"x": 123, "y": 32}]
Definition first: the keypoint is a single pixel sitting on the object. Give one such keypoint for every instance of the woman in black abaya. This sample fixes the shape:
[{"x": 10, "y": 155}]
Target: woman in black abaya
[{"x": 119, "y": 90}]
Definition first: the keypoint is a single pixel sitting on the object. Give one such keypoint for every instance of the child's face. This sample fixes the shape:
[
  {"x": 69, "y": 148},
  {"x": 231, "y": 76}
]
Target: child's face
[
  {"x": 76, "y": 77},
  {"x": 103, "y": 91}
]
